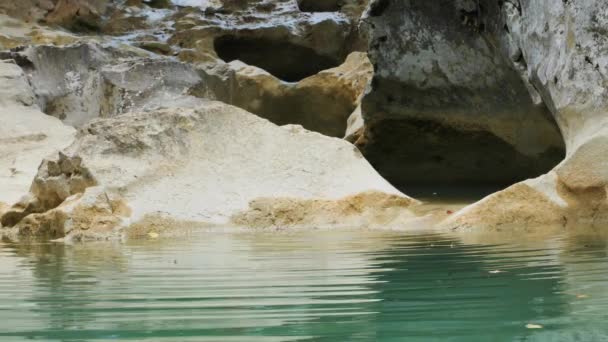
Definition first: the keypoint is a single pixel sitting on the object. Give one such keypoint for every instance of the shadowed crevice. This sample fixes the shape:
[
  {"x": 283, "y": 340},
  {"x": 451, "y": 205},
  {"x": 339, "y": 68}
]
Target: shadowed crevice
[{"x": 286, "y": 61}]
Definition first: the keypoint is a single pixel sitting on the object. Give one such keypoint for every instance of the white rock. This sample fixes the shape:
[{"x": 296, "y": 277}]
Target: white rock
[
  {"x": 205, "y": 164},
  {"x": 26, "y": 134}
]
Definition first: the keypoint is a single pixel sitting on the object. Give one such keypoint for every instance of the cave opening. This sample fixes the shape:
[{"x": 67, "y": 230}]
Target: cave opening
[
  {"x": 320, "y": 5},
  {"x": 284, "y": 60},
  {"x": 432, "y": 161},
  {"x": 457, "y": 119}
]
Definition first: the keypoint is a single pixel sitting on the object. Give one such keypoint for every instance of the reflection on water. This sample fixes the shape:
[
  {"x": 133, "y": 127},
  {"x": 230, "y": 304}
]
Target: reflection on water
[{"x": 317, "y": 286}]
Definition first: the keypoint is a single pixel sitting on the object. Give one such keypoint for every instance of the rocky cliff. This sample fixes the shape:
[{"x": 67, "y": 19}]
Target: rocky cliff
[
  {"x": 492, "y": 91},
  {"x": 112, "y": 117},
  {"x": 560, "y": 49},
  {"x": 150, "y": 113},
  {"x": 446, "y": 104}
]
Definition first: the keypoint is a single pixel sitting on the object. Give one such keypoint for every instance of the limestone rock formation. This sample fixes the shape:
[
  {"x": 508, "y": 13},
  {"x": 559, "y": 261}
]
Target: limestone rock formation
[
  {"x": 26, "y": 134},
  {"x": 273, "y": 35},
  {"x": 84, "y": 81},
  {"x": 457, "y": 91},
  {"x": 75, "y": 14},
  {"x": 321, "y": 103},
  {"x": 446, "y": 105},
  {"x": 288, "y": 61},
  {"x": 103, "y": 81},
  {"x": 559, "y": 47},
  {"x": 292, "y": 63},
  {"x": 202, "y": 164},
  {"x": 15, "y": 33}
]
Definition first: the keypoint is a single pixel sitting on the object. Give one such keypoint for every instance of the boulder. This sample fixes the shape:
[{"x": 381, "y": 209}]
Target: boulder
[
  {"x": 26, "y": 134},
  {"x": 84, "y": 81},
  {"x": 78, "y": 15},
  {"x": 74, "y": 14},
  {"x": 28, "y": 10},
  {"x": 275, "y": 36},
  {"x": 320, "y": 103},
  {"x": 559, "y": 48},
  {"x": 202, "y": 164},
  {"x": 446, "y": 106},
  {"x": 15, "y": 33}
]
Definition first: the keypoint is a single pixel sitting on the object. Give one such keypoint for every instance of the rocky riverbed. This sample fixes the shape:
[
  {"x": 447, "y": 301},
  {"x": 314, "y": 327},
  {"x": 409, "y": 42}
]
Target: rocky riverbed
[{"x": 119, "y": 117}]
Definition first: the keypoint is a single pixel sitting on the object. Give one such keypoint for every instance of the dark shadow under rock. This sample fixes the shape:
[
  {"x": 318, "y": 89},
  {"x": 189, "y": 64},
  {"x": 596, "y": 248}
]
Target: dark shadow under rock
[
  {"x": 445, "y": 105},
  {"x": 319, "y": 5},
  {"x": 287, "y": 61}
]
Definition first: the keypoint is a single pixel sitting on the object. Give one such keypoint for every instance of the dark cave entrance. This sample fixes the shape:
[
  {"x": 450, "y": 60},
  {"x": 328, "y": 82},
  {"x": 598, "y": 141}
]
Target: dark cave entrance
[
  {"x": 458, "y": 119},
  {"x": 319, "y": 5},
  {"x": 434, "y": 162},
  {"x": 286, "y": 61}
]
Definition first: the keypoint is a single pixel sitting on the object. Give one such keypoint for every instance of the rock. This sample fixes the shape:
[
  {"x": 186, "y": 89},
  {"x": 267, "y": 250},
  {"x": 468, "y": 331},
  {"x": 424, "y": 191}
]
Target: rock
[
  {"x": 445, "y": 105},
  {"x": 16, "y": 33},
  {"x": 156, "y": 47},
  {"x": 84, "y": 81},
  {"x": 47, "y": 37},
  {"x": 274, "y": 36},
  {"x": 28, "y": 10},
  {"x": 78, "y": 15},
  {"x": 26, "y": 134},
  {"x": 205, "y": 164},
  {"x": 67, "y": 80},
  {"x": 367, "y": 209},
  {"x": 80, "y": 82},
  {"x": 355, "y": 127},
  {"x": 10, "y": 42},
  {"x": 316, "y": 79},
  {"x": 558, "y": 47},
  {"x": 321, "y": 103},
  {"x": 93, "y": 209},
  {"x": 158, "y": 3},
  {"x": 74, "y": 14},
  {"x": 121, "y": 23}
]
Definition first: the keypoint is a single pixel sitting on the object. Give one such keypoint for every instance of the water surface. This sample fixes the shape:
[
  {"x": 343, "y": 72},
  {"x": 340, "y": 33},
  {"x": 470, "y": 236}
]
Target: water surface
[{"x": 309, "y": 286}]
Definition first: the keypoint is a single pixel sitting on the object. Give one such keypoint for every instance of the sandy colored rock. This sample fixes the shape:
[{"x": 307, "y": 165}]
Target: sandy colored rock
[
  {"x": 320, "y": 103},
  {"x": 77, "y": 14},
  {"x": 180, "y": 163},
  {"x": 28, "y": 10},
  {"x": 369, "y": 209},
  {"x": 16, "y": 33},
  {"x": 91, "y": 214}
]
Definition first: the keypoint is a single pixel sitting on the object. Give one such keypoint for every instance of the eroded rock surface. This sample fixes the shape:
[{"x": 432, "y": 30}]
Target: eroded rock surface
[
  {"x": 76, "y": 14},
  {"x": 180, "y": 163},
  {"x": 321, "y": 103},
  {"x": 84, "y": 81},
  {"x": 446, "y": 105},
  {"x": 273, "y": 58},
  {"x": 463, "y": 91},
  {"x": 26, "y": 134},
  {"x": 559, "y": 47}
]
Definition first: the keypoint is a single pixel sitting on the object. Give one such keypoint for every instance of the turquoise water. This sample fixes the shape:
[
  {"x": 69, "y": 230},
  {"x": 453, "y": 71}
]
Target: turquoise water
[{"x": 311, "y": 286}]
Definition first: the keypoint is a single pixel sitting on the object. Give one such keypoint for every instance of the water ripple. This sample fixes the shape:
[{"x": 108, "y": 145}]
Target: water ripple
[{"x": 320, "y": 286}]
